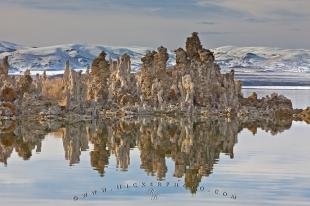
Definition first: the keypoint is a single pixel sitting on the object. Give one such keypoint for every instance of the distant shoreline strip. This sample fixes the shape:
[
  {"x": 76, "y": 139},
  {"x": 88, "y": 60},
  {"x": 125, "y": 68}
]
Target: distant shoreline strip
[{"x": 278, "y": 87}]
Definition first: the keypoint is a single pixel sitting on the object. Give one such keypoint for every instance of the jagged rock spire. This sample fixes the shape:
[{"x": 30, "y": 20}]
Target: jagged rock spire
[
  {"x": 193, "y": 46},
  {"x": 4, "y": 66}
]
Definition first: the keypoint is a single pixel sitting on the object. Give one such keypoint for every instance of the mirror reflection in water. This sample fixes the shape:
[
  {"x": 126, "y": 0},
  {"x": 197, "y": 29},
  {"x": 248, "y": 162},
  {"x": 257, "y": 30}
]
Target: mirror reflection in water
[{"x": 194, "y": 144}]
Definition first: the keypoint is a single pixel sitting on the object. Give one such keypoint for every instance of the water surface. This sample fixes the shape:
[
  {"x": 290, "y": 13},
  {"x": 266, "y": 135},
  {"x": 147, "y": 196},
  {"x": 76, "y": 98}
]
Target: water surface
[{"x": 157, "y": 161}]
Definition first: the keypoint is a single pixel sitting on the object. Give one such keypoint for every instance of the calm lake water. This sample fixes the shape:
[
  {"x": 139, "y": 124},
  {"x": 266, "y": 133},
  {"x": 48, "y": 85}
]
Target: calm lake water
[{"x": 156, "y": 161}]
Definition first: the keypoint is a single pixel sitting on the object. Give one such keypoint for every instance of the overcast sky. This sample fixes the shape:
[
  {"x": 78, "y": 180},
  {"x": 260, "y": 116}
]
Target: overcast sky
[{"x": 275, "y": 23}]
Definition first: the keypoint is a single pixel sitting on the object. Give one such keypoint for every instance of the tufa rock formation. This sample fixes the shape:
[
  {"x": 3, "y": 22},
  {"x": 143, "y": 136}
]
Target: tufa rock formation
[
  {"x": 153, "y": 79},
  {"x": 98, "y": 79},
  {"x": 194, "y": 82},
  {"x": 4, "y": 66},
  {"x": 122, "y": 84},
  {"x": 193, "y": 46},
  {"x": 195, "y": 85},
  {"x": 274, "y": 105},
  {"x": 74, "y": 89},
  {"x": 302, "y": 115}
]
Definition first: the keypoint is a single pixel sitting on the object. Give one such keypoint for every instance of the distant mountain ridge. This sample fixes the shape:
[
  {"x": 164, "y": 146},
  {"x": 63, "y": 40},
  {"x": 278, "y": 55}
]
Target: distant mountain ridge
[
  {"x": 241, "y": 59},
  {"x": 8, "y": 47},
  {"x": 52, "y": 59},
  {"x": 263, "y": 59}
]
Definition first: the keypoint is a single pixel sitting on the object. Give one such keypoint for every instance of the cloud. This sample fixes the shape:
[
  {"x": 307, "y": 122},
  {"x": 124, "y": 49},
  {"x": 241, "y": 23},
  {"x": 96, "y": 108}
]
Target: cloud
[
  {"x": 151, "y": 23},
  {"x": 258, "y": 20},
  {"x": 99, "y": 4},
  {"x": 289, "y": 13},
  {"x": 264, "y": 11},
  {"x": 248, "y": 10},
  {"x": 207, "y": 22},
  {"x": 171, "y": 8},
  {"x": 214, "y": 33}
]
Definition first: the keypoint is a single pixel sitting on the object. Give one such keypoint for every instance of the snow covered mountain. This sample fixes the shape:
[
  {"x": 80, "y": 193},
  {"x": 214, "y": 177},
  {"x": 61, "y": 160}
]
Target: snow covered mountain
[
  {"x": 263, "y": 59},
  {"x": 263, "y": 66},
  {"x": 246, "y": 61},
  {"x": 8, "y": 47},
  {"x": 53, "y": 58}
]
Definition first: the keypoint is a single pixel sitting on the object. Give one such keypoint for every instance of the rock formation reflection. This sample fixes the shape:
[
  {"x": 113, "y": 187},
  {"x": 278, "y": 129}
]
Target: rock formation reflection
[
  {"x": 23, "y": 139},
  {"x": 75, "y": 141},
  {"x": 194, "y": 144}
]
